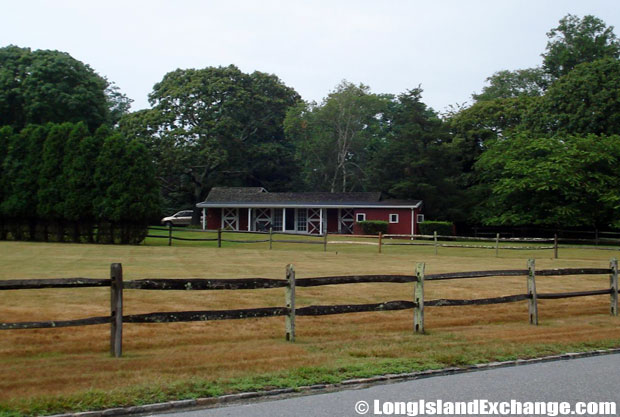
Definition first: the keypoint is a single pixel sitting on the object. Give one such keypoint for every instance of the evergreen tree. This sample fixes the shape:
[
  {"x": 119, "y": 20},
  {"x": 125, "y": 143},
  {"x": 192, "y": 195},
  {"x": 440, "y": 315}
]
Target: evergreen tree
[{"x": 51, "y": 181}]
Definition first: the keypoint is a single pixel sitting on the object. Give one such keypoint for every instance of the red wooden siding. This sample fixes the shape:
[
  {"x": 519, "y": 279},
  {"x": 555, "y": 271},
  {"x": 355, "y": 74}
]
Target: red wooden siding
[
  {"x": 404, "y": 219},
  {"x": 214, "y": 218}
]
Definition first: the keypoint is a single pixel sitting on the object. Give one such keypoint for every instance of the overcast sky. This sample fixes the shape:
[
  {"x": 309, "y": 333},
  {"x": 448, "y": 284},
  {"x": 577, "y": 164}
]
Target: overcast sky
[{"x": 447, "y": 47}]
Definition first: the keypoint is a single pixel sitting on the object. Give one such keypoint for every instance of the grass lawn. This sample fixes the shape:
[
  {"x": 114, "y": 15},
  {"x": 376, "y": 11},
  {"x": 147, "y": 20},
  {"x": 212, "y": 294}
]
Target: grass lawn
[{"x": 54, "y": 370}]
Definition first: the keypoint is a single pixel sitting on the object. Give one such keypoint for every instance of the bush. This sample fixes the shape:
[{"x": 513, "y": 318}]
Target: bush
[
  {"x": 442, "y": 228},
  {"x": 373, "y": 227}
]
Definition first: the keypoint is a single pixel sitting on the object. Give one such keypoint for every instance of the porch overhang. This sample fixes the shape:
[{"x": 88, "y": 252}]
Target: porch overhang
[{"x": 305, "y": 205}]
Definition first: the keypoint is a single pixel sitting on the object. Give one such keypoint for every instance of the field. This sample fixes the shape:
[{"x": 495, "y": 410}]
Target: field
[{"x": 52, "y": 370}]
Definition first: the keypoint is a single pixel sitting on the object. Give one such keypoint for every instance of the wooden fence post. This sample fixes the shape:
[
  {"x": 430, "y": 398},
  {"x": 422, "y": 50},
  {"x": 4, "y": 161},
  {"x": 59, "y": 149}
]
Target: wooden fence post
[
  {"x": 169, "y": 234},
  {"x": 219, "y": 238},
  {"x": 325, "y": 242},
  {"x": 497, "y": 245},
  {"x": 289, "y": 299},
  {"x": 555, "y": 246},
  {"x": 418, "y": 299},
  {"x": 380, "y": 238},
  {"x": 531, "y": 292},
  {"x": 435, "y": 239},
  {"x": 270, "y": 238},
  {"x": 613, "y": 281},
  {"x": 116, "y": 310}
]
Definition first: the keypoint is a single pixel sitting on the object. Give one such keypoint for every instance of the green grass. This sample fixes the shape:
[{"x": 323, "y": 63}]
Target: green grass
[{"x": 50, "y": 371}]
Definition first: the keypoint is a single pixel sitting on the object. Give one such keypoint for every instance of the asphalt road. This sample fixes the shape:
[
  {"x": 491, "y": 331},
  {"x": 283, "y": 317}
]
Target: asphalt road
[{"x": 590, "y": 379}]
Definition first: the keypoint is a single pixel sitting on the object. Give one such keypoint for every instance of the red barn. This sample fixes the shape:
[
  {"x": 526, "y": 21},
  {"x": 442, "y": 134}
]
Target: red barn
[{"x": 255, "y": 209}]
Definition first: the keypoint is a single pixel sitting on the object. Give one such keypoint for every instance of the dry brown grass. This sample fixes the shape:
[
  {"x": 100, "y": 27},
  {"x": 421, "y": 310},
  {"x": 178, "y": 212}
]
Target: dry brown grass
[{"x": 60, "y": 362}]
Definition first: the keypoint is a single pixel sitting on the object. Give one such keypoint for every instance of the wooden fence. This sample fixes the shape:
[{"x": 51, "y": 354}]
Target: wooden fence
[
  {"x": 437, "y": 241},
  {"x": 290, "y": 310}
]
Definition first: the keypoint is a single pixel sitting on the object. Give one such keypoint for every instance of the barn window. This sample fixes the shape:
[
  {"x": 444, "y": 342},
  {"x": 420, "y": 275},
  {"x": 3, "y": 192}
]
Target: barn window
[
  {"x": 393, "y": 218},
  {"x": 360, "y": 217},
  {"x": 420, "y": 218}
]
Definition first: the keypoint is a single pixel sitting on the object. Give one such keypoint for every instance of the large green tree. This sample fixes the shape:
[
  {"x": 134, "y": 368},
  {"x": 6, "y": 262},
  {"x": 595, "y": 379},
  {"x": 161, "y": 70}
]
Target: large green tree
[
  {"x": 554, "y": 181},
  {"x": 416, "y": 160},
  {"x": 50, "y": 86},
  {"x": 127, "y": 196},
  {"x": 586, "y": 100},
  {"x": 577, "y": 40},
  {"x": 20, "y": 176},
  {"x": 334, "y": 139},
  {"x": 510, "y": 84},
  {"x": 213, "y": 126}
]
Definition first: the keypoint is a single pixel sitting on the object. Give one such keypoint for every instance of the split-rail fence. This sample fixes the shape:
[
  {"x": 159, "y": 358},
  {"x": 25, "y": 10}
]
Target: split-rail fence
[
  {"x": 116, "y": 319},
  {"x": 496, "y": 243}
]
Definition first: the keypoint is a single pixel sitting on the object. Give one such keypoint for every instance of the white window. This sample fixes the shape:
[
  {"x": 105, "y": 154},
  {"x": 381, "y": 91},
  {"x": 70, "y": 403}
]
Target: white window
[
  {"x": 420, "y": 218},
  {"x": 393, "y": 218},
  {"x": 360, "y": 217}
]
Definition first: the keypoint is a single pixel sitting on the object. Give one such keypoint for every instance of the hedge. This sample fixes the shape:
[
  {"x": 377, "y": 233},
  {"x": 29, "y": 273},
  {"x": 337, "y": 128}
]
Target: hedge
[
  {"x": 373, "y": 227},
  {"x": 442, "y": 228}
]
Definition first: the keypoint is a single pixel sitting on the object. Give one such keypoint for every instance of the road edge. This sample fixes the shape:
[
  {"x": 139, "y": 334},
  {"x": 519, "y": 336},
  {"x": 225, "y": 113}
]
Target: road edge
[{"x": 210, "y": 402}]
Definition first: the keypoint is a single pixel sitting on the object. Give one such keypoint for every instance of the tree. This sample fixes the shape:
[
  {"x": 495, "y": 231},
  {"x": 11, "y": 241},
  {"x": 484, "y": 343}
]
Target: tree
[
  {"x": 333, "y": 139},
  {"x": 576, "y": 41},
  {"x": 21, "y": 172},
  {"x": 415, "y": 159},
  {"x": 510, "y": 84},
  {"x": 551, "y": 181},
  {"x": 43, "y": 86},
  {"x": 127, "y": 195},
  {"x": 215, "y": 126},
  {"x": 81, "y": 150},
  {"x": 586, "y": 100},
  {"x": 51, "y": 182},
  {"x": 7, "y": 136}
]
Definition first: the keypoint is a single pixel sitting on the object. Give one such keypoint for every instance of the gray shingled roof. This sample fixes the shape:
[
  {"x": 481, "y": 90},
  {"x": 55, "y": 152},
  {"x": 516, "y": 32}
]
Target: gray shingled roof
[{"x": 259, "y": 197}]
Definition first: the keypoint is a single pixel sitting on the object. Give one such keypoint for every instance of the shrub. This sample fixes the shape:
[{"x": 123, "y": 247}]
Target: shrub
[
  {"x": 442, "y": 228},
  {"x": 373, "y": 227}
]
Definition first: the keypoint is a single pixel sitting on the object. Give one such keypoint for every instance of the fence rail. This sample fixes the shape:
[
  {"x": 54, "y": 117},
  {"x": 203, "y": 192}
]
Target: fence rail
[
  {"x": 290, "y": 311},
  {"x": 382, "y": 240}
]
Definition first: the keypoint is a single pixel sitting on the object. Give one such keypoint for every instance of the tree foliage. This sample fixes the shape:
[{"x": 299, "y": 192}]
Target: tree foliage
[
  {"x": 416, "y": 159},
  {"x": 50, "y": 86},
  {"x": 511, "y": 84},
  {"x": 577, "y": 40},
  {"x": 551, "y": 181},
  {"x": 60, "y": 183},
  {"x": 586, "y": 100},
  {"x": 334, "y": 139},
  {"x": 216, "y": 125}
]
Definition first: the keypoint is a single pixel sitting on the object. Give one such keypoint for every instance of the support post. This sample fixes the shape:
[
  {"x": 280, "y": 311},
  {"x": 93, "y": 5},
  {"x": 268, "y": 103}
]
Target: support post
[
  {"x": 204, "y": 218},
  {"x": 249, "y": 219},
  {"x": 325, "y": 242},
  {"x": 116, "y": 310},
  {"x": 270, "y": 238},
  {"x": 380, "y": 238},
  {"x": 555, "y": 246},
  {"x": 418, "y": 299},
  {"x": 169, "y": 234},
  {"x": 435, "y": 239},
  {"x": 531, "y": 292},
  {"x": 289, "y": 299},
  {"x": 497, "y": 245},
  {"x": 613, "y": 281},
  {"x": 219, "y": 238}
]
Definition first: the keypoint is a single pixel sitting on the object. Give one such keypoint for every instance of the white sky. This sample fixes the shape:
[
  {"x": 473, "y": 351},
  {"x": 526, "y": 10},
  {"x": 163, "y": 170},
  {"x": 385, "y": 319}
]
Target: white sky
[{"x": 447, "y": 47}]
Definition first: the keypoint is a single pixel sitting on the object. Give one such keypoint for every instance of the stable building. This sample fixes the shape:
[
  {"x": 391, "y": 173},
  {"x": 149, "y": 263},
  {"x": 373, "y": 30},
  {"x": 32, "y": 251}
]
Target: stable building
[{"x": 256, "y": 209}]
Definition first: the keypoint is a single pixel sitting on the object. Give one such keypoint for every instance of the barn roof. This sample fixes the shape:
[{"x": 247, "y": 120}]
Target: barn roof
[{"x": 246, "y": 197}]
